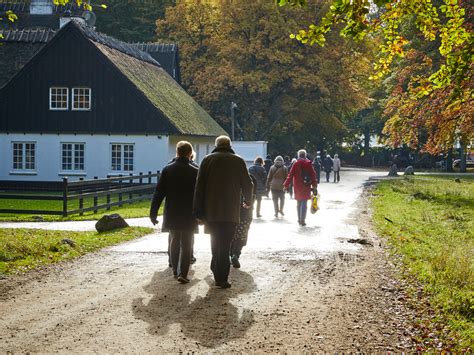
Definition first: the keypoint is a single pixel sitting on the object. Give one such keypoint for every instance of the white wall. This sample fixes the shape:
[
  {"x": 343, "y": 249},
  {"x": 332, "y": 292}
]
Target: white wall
[
  {"x": 249, "y": 150},
  {"x": 202, "y": 145},
  {"x": 151, "y": 153}
]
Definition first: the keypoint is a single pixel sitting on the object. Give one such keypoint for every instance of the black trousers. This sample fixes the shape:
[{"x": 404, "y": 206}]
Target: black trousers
[
  {"x": 222, "y": 234},
  {"x": 180, "y": 251},
  {"x": 169, "y": 246},
  {"x": 337, "y": 177},
  {"x": 328, "y": 174}
]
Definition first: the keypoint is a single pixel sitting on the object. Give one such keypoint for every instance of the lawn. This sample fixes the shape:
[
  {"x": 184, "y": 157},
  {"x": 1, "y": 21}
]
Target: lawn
[
  {"x": 429, "y": 221},
  {"x": 137, "y": 209},
  {"x": 25, "y": 249}
]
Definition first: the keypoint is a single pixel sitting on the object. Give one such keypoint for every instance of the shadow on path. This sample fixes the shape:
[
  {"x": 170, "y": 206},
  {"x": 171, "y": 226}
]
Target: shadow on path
[{"x": 210, "y": 320}]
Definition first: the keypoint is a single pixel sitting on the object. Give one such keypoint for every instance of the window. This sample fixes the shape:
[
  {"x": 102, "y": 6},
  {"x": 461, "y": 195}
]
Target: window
[
  {"x": 58, "y": 98},
  {"x": 81, "y": 99},
  {"x": 72, "y": 156},
  {"x": 24, "y": 156},
  {"x": 122, "y": 157}
]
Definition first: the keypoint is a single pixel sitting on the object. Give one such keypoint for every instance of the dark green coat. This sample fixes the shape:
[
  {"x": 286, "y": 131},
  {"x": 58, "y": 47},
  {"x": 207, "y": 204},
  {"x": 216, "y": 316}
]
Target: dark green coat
[{"x": 222, "y": 179}]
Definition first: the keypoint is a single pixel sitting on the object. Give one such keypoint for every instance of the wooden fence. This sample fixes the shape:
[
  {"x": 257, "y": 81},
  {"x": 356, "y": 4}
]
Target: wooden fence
[{"x": 125, "y": 189}]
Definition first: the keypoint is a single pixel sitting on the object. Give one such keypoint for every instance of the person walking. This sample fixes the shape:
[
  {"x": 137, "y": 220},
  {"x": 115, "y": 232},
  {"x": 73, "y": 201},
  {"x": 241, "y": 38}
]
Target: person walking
[
  {"x": 260, "y": 174},
  {"x": 303, "y": 176},
  {"x": 317, "y": 167},
  {"x": 268, "y": 163},
  {"x": 242, "y": 230},
  {"x": 276, "y": 178},
  {"x": 176, "y": 185},
  {"x": 290, "y": 189},
  {"x": 336, "y": 167},
  {"x": 222, "y": 180},
  {"x": 328, "y": 167}
]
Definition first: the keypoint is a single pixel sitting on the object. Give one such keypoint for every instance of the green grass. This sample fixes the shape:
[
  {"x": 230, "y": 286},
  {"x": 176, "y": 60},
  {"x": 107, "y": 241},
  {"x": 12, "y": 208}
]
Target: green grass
[
  {"x": 137, "y": 209},
  {"x": 26, "y": 249},
  {"x": 433, "y": 231}
]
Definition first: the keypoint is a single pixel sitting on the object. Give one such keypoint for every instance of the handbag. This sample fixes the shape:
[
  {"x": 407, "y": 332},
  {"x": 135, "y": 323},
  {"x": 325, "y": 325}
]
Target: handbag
[{"x": 315, "y": 203}]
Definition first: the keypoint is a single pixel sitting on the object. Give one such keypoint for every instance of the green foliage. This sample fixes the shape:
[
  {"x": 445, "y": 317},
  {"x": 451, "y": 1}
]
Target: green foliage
[
  {"x": 433, "y": 230},
  {"x": 131, "y": 21},
  {"x": 25, "y": 249}
]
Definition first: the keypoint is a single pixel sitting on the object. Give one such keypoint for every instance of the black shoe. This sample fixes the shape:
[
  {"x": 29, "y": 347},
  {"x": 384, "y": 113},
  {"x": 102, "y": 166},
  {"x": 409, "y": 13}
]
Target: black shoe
[
  {"x": 303, "y": 223},
  {"x": 235, "y": 262},
  {"x": 276, "y": 215},
  {"x": 224, "y": 284},
  {"x": 281, "y": 212},
  {"x": 175, "y": 276},
  {"x": 183, "y": 280},
  {"x": 193, "y": 260}
]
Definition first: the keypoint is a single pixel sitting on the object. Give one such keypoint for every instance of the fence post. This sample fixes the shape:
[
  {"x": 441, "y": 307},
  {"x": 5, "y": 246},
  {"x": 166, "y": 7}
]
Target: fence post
[
  {"x": 108, "y": 195},
  {"x": 130, "y": 195},
  {"x": 140, "y": 181},
  {"x": 65, "y": 191},
  {"x": 120, "y": 193},
  {"x": 157, "y": 176},
  {"x": 81, "y": 200},
  {"x": 149, "y": 177},
  {"x": 95, "y": 196}
]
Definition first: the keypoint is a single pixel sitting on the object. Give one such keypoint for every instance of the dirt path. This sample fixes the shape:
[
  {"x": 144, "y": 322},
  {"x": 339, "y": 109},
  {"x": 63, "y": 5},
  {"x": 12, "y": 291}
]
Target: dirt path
[{"x": 299, "y": 289}]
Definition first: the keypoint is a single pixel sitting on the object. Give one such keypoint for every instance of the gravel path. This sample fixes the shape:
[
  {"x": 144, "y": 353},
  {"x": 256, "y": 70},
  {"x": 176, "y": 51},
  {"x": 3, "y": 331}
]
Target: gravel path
[{"x": 299, "y": 289}]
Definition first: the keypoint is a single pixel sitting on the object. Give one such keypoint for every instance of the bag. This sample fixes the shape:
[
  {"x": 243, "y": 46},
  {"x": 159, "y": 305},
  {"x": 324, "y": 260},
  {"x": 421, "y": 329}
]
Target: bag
[
  {"x": 315, "y": 204},
  {"x": 305, "y": 177}
]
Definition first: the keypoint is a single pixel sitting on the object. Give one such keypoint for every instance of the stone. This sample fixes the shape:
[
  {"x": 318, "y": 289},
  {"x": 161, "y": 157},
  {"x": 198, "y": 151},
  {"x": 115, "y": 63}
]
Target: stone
[
  {"x": 38, "y": 218},
  {"x": 393, "y": 170},
  {"x": 409, "y": 170},
  {"x": 110, "y": 222}
]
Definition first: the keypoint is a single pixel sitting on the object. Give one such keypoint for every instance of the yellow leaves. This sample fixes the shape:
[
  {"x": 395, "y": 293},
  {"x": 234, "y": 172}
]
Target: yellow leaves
[
  {"x": 103, "y": 6},
  {"x": 11, "y": 16}
]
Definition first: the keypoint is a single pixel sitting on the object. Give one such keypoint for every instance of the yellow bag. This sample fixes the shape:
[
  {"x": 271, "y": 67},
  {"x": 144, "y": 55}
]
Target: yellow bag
[{"x": 315, "y": 204}]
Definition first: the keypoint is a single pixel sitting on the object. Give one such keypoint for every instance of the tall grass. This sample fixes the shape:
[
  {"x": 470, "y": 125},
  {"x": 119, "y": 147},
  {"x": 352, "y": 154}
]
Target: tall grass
[{"x": 432, "y": 227}]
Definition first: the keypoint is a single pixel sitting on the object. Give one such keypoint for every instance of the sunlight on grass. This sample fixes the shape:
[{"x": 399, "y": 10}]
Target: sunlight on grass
[{"x": 433, "y": 229}]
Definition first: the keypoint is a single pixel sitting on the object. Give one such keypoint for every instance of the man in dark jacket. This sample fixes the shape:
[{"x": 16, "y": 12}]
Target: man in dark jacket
[
  {"x": 328, "y": 166},
  {"x": 176, "y": 184},
  {"x": 317, "y": 165},
  {"x": 259, "y": 172},
  {"x": 268, "y": 163},
  {"x": 222, "y": 179}
]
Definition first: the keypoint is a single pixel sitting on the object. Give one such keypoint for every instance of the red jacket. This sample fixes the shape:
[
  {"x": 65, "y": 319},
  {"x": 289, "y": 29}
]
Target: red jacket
[{"x": 302, "y": 191}]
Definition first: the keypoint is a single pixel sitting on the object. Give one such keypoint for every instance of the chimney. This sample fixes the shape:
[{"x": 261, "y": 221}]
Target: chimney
[{"x": 41, "y": 7}]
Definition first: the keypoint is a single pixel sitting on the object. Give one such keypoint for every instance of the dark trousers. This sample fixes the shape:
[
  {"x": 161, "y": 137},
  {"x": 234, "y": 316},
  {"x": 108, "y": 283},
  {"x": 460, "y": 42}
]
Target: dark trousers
[
  {"x": 302, "y": 206},
  {"x": 169, "y": 246},
  {"x": 259, "y": 204},
  {"x": 222, "y": 234},
  {"x": 278, "y": 197},
  {"x": 328, "y": 174},
  {"x": 180, "y": 251},
  {"x": 336, "y": 176}
]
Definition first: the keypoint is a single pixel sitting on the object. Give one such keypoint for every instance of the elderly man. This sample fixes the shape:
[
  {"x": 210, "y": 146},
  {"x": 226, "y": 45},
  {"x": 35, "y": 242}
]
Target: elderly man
[
  {"x": 176, "y": 184},
  {"x": 222, "y": 180}
]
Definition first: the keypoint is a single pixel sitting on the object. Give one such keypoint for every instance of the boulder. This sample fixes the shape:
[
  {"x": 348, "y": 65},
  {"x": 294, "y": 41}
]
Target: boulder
[
  {"x": 393, "y": 170},
  {"x": 409, "y": 170},
  {"x": 110, "y": 222}
]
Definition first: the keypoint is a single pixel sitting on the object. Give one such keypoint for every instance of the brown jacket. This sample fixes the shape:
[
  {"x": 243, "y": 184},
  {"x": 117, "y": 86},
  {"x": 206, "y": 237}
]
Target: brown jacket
[
  {"x": 276, "y": 177},
  {"x": 222, "y": 179}
]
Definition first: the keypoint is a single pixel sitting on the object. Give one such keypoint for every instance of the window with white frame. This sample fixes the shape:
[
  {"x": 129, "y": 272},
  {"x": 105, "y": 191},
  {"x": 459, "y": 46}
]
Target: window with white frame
[
  {"x": 81, "y": 99},
  {"x": 24, "y": 155},
  {"x": 72, "y": 156},
  {"x": 122, "y": 157},
  {"x": 58, "y": 98}
]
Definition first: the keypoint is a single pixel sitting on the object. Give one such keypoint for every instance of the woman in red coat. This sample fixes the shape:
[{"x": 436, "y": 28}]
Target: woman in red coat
[{"x": 303, "y": 177}]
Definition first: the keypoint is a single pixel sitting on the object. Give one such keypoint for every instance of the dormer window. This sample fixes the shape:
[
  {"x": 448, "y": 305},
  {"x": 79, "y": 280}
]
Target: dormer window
[
  {"x": 81, "y": 99},
  {"x": 58, "y": 98}
]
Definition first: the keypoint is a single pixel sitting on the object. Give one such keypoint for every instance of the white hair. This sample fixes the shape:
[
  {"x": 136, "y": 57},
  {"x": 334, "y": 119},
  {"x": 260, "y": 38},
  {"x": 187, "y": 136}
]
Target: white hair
[{"x": 301, "y": 153}]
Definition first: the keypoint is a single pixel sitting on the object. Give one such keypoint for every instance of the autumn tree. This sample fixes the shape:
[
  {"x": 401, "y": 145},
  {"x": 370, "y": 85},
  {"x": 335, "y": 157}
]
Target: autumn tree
[
  {"x": 290, "y": 94},
  {"x": 430, "y": 105}
]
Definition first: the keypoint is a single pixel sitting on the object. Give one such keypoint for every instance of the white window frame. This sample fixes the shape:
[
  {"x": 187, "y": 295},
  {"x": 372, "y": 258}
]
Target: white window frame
[
  {"x": 73, "y": 91},
  {"x": 51, "y": 97},
  {"x": 23, "y": 156},
  {"x": 74, "y": 156},
  {"x": 122, "y": 157}
]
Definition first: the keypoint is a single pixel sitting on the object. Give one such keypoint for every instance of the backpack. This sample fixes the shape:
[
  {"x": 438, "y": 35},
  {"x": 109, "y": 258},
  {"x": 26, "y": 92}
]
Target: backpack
[{"x": 305, "y": 177}]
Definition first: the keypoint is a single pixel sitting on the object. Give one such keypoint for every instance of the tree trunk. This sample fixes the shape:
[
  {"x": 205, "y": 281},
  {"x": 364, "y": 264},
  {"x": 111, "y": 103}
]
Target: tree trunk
[
  {"x": 463, "y": 157},
  {"x": 449, "y": 160},
  {"x": 367, "y": 147}
]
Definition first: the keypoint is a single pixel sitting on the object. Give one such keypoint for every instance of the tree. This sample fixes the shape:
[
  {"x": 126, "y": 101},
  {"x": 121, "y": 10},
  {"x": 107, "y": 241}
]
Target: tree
[
  {"x": 288, "y": 93},
  {"x": 431, "y": 105}
]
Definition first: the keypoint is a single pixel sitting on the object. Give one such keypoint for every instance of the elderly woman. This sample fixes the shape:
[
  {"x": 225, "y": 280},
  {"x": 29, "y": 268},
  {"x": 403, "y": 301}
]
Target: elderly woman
[{"x": 276, "y": 177}]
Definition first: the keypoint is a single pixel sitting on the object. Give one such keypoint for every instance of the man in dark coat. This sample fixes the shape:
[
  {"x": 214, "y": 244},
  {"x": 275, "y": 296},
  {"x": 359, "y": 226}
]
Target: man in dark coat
[
  {"x": 177, "y": 183},
  {"x": 317, "y": 165},
  {"x": 268, "y": 163},
  {"x": 259, "y": 172},
  {"x": 328, "y": 166},
  {"x": 222, "y": 179}
]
